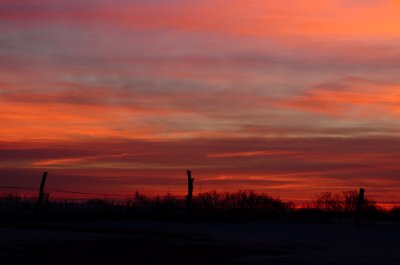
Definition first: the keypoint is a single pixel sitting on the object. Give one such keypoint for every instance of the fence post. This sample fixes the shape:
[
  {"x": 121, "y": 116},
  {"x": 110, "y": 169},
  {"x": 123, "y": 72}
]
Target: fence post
[
  {"x": 357, "y": 221},
  {"x": 190, "y": 192},
  {"x": 41, "y": 194}
]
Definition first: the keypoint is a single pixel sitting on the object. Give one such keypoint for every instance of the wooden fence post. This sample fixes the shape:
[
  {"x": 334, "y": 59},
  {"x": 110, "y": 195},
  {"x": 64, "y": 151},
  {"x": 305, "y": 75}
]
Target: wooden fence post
[
  {"x": 357, "y": 221},
  {"x": 41, "y": 194},
  {"x": 190, "y": 192}
]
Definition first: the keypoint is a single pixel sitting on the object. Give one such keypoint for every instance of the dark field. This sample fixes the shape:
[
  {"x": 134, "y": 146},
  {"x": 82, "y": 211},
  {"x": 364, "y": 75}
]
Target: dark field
[
  {"x": 219, "y": 228},
  {"x": 139, "y": 242}
]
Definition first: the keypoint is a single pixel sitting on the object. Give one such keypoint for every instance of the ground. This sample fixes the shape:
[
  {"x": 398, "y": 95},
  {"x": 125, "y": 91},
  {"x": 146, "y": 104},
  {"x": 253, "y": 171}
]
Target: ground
[{"x": 140, "y": 242}]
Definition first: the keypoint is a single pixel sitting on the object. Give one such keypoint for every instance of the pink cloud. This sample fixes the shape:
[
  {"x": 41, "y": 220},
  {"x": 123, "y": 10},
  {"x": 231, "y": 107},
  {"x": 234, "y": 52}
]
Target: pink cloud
[
  {"x": 305, "y": 17},
  {"x": 297, "y": 169},
  {"x": 350, "y": 98}
]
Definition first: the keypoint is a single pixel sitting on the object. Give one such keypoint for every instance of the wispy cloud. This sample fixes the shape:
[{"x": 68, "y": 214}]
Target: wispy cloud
[
  {"x": 351, "y": 98},
  {"x": 251, "y": 153},
  {"x": 291, "y": 168}
]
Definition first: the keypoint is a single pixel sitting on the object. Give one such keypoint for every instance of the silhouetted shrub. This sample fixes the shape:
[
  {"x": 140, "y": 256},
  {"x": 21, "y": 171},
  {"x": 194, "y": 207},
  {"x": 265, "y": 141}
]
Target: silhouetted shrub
[
  {"x": 242, "y": 204},
  {"x": 343, "y": 203},
  {"x": 14, "y": 206}
]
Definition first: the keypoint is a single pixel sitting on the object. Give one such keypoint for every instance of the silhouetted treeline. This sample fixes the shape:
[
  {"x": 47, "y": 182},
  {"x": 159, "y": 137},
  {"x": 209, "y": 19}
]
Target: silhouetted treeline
[
  {"x": 328, "y": 206},
  {"x": 209, "y": 206}
]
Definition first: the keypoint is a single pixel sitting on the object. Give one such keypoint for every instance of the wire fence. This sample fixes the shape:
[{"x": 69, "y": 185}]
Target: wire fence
[
  {"x": 66, "y": 194},
  {"x": 62, "y": 194}
]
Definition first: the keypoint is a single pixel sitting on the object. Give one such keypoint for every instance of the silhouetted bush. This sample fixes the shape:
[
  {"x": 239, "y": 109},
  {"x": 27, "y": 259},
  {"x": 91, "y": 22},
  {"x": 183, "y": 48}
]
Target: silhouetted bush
[
  {"x": 14, "y": 206},
  {"x": 243, "y": 204},
  {"x": 344, "y": 202}
]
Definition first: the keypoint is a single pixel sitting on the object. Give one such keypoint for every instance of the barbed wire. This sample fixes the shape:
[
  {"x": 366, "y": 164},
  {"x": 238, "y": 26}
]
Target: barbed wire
[
  {"x": 131, "y": 194},
  {"x": 17, "y": 188}
]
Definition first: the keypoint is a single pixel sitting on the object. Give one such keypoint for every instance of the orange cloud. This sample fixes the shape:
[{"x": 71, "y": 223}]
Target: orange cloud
[
  {"x": 297, "y": 169},
  {"x": 251, "y": 153},
  {"x": 350, "y": 98},
  {"x": 261, "y": 18}
]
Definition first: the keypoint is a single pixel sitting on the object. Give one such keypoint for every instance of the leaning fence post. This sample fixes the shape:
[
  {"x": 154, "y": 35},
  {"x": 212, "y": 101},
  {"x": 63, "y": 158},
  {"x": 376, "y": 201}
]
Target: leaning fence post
[
  {"x": 190, "y": 192},
  {"x": 41, "y": 193},
  {"x": 357, "y": 221}
]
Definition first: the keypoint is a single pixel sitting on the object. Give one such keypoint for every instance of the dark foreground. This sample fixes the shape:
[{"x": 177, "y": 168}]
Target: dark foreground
[{"x": 182, "y": 243}]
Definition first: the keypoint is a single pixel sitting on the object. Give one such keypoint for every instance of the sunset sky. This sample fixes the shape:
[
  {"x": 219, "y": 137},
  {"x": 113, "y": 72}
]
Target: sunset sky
[{"x": 288, "y": 97}]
